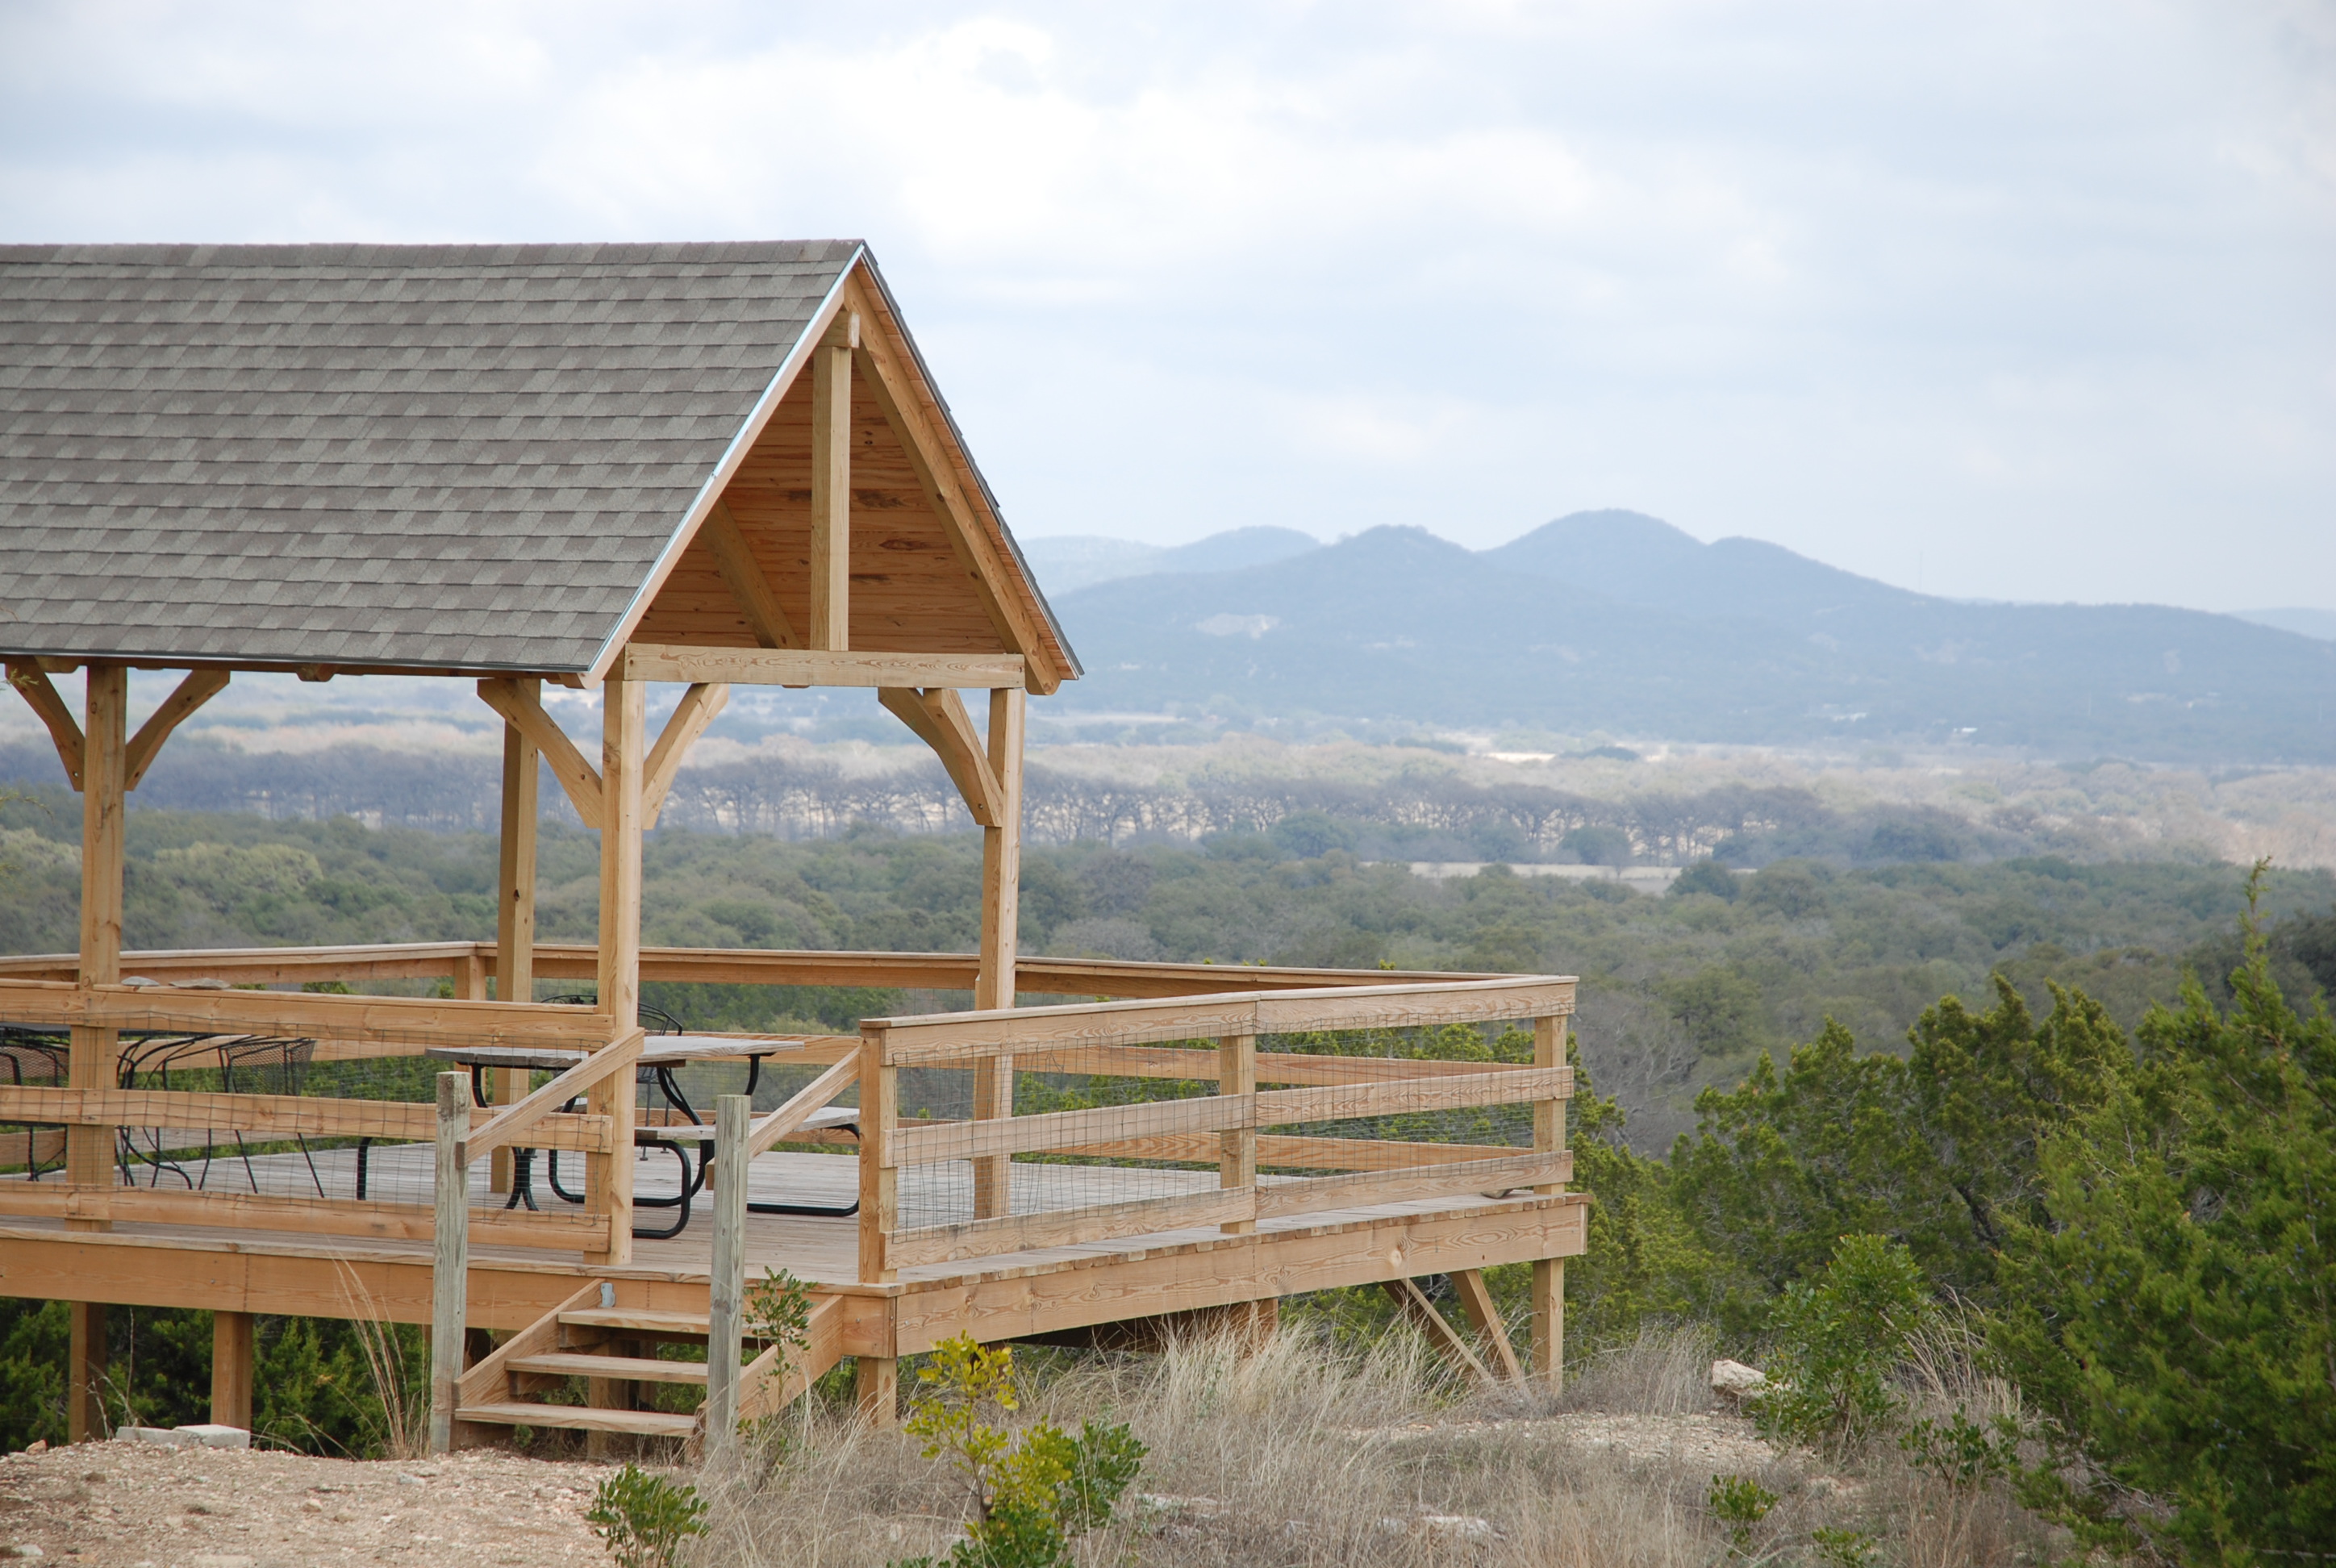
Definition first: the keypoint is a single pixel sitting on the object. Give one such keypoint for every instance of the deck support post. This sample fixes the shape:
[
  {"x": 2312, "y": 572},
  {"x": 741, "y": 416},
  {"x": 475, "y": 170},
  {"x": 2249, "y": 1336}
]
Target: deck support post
[
  {"x": 624, "y": 727},
  {"x": 231, "y": 1368},
  {"x": 1001, "y": 915},
  {"x": 95, "y": 1059},
  {"x": 85, "y": 1364},
  {"x": 449, "y": 1257},
  {"x": 1237, "y": 1158},
  {"x": 515, "y": 903},
  {"x": 1548, "y": 1290},
  {"x": 876, "y": 1391},
  {"x": 726, "y": 1291}
]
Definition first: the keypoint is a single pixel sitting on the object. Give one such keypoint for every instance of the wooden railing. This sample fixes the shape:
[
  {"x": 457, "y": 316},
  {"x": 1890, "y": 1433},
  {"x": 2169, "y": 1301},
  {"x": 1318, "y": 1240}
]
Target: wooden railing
[
  {"x": 1124, "y": 1039},
  {"x": 1239, "y": 1128},
  {"x": 469, "y": 964},
  {"x": 342, "y": 1029}
]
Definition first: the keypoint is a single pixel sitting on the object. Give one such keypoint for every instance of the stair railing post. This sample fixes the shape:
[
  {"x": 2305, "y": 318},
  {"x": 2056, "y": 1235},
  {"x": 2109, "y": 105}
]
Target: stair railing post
[
  {"x": 726, "y": 1294},
  {"x": 450, "y": 1264}
]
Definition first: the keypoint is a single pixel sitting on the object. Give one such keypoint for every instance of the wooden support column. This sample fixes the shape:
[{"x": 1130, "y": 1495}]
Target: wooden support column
[
  {"x": 624, "y": 729},
  {"x": 876, "y": 1390},
  {"x": 95, "y": 1061},
  {"x": 1547, "y": 1302},
  {"x": 85, "y": 1363},
  {"x": 880, "y": 1180},
  {"x": 231, "y": 1368},
  {"x": 450, "y": 1259},
  {"x": 726, "y": 1289},
  {"x": 1001, "y": 918},
  {"x": 1237, "y": 1158},
  {"x": 831, "y": 488},
  {"x": 515, "y": 904}
]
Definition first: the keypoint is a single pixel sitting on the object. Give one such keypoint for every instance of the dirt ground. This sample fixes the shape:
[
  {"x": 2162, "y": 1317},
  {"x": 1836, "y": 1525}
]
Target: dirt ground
[{"x": 130, "y": 1505}]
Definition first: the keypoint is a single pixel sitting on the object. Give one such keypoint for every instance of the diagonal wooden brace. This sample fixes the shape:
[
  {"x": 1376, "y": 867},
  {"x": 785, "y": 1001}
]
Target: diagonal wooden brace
[{"x": 520, "y": 708}]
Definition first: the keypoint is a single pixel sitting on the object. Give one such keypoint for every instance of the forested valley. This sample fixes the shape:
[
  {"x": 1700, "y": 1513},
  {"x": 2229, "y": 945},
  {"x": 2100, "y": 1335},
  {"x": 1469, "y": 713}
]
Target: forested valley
[{"x": 2076, "y": 1106}]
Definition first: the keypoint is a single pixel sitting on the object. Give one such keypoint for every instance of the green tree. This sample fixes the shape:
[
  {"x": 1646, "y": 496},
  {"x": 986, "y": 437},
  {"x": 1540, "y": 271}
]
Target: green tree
[
  {"x": 1938, "y": 1151},
  {"x": 2174, "y": 1306}
]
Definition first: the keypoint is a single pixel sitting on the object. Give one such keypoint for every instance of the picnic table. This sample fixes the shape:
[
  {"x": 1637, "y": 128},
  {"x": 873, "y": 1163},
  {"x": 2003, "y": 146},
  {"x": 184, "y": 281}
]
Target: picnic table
[{"x": 661, "y": 1056}]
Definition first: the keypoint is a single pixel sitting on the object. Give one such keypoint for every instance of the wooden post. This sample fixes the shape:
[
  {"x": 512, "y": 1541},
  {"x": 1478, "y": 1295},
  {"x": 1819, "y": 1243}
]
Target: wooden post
[
  {"x": 727, "y": 1293},
  {"x": 1548, "y": 1290},
  {"x": 876, "y": 1390},
  {"x": 624, "y": 726},
  {"x": 231, "y": 1368},
  {"x": 96, "y": 1061},
  {"x": 880, "y": 1182},
  {"x": 85, "y": 1363},
  {"x": 1237, "y": 1158},
  {"x": 831, "y": 496},
  {"x": 515, "y": 905},
  {"x": 450, "y": 1259},
  {"x": 1001, "y": 917}
]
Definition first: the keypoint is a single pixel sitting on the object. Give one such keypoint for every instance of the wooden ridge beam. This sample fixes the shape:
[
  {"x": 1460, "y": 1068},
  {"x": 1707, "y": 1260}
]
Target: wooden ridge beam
[
  {"x": 816, "y": 666},
  {"x": 743, "y": 575},
  {"x": 524, "y": 712},
  {"x": 33, "y": 683},
  {"x": 200, "y": 686},
  {"x": 698, "y": 707}
]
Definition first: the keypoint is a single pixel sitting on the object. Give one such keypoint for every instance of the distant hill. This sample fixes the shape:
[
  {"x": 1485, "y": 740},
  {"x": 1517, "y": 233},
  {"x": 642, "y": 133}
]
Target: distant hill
[
  {"x": 1616, "y": 621},
  {"x": 1073, "y": 561},
  {"x": 2319, "y": 623}
]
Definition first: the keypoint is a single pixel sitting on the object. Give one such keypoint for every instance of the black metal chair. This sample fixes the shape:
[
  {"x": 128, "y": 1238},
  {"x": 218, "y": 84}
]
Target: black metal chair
[{"x": 33, "y": 1058}]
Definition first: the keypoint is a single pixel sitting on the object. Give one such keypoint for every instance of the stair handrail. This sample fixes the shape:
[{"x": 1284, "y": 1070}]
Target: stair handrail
[{"x": 618, "y": 1055}]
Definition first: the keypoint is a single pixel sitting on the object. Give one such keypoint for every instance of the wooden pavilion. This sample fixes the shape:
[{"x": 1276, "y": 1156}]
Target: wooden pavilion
[{"x": 605, "y": 467}]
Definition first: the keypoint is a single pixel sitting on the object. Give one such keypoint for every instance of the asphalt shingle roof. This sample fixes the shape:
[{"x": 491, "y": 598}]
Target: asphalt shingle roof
[{"x": 436, "y": 456}]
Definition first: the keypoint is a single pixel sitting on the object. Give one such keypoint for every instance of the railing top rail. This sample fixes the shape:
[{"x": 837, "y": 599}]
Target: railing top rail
[
  {"x": 939, "y": 1037},
  {"x": 1064, "y": 977},
  {"x": 409, "y": 1020}
]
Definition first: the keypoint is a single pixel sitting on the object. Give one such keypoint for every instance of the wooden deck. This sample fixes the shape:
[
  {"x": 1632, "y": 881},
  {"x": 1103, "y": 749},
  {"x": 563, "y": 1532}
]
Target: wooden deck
[{"x": 1231, "y": 1183}]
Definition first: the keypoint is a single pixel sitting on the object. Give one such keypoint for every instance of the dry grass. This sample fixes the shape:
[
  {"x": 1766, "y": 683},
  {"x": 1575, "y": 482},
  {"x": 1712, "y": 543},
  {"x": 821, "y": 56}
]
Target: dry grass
[{"x": 1301, "y": 1455}]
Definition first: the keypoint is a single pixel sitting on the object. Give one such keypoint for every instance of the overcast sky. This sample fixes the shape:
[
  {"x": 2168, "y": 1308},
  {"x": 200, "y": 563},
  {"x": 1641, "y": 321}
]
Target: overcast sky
[{"x": 2007, "y": 300}]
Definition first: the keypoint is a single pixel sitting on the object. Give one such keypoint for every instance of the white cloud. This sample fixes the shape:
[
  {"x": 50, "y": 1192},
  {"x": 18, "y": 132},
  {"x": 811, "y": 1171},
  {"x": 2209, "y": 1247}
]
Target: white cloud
[{"x": 1975, "y": 281}]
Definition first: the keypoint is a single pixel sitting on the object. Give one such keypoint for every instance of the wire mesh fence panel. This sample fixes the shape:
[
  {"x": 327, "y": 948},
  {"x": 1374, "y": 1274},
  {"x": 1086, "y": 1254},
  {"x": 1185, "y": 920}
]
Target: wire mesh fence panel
[
  {"x": 1104, "y": 1141},
  {"x": 29, "y": 1060}
]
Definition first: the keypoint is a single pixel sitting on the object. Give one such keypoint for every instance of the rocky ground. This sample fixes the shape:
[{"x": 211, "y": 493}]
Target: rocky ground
[{"x": 128, "y": 1505}]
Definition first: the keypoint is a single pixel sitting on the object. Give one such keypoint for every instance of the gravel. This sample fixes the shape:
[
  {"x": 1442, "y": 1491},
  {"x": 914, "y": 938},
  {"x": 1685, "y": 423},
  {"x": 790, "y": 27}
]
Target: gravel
[{"x": 130, "y": 1505}]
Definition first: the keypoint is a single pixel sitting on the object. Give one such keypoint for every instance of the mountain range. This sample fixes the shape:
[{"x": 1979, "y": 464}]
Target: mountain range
[{"x": 1618, "y": 623}]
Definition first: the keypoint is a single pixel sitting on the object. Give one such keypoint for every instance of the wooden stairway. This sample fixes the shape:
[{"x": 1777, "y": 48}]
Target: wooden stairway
[{"x": 600, "y": 1336}]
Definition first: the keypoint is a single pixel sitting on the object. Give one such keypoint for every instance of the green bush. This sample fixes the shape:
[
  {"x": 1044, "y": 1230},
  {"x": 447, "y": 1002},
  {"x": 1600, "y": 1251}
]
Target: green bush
[
  {"x": 1739, "y": 1503},
  {"x": 1031, "y": 1490},
  {"x": 1839, "y": 1338},
  {"x": 644, "y": 1518}
]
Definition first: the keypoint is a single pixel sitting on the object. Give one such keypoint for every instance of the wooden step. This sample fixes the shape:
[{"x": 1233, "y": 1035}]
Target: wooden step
[
  {"x": 580, "y": 1418},
  {"x": 638, "y": 1318},
  {"x": 631, "y": 1368}
]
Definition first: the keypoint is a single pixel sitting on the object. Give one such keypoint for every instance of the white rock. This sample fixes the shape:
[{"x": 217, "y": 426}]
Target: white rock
[
  {"x": 1735, "y": 1380},
  {"x": 209, "y": 1435},
  {"x": 1457, "y": 1527},
  {"x": 154, "y": 1437},
  {"x": 25, "y": 1552}
]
